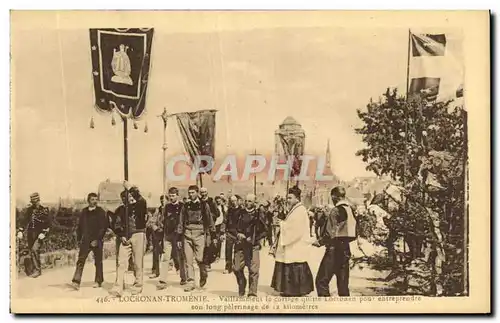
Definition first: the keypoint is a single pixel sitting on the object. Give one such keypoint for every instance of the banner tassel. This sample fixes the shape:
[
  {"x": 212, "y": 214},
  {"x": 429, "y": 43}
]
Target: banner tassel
[
  {"x": 113, "y": 122},
  {"x": 92, "y": 126},
  {"x": 136, "y": 126},
  {"x": 146, "y": 127}
]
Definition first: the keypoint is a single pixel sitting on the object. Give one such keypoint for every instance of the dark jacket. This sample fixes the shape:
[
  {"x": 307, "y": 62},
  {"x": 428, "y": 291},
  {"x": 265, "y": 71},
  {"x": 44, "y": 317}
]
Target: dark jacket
[
  {"x": 92, "y": 225},
  {"x": 251, "y": 223},
  {"x": 171, "y": 217},
  {"x": 231, "y": 222},
  {"x": 196, "y": 215},
  {"x": 212, "y": 206},
  {"x": 37, "y": 220},
  {"x": 137, "y": 217}
]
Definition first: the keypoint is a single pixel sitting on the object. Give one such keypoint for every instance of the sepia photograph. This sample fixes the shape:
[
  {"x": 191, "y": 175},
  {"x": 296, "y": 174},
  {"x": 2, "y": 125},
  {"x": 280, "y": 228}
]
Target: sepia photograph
[{"x": 227, "y": 162}]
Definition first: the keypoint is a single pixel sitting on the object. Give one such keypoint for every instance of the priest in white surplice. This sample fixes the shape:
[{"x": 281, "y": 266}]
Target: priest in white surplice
[{"x": 292, "y": 275}]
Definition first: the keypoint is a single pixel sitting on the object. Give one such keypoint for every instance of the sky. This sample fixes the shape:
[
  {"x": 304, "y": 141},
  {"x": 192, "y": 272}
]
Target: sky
[{"x": 255, "y": 78}]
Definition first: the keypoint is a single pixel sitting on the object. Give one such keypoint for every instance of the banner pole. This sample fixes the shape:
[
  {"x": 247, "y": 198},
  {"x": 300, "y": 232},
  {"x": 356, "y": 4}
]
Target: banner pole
[
  {"x": 408, "y": 65},
  {"x": 255, "y": 177},
  {"x": 405, "y": 146},
  {"x": 125, "y": 170}
]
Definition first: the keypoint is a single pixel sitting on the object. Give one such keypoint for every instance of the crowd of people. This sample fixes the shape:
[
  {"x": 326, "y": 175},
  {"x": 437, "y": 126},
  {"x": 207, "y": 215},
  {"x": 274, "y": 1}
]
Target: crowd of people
[{"x": 190, "y": 231}]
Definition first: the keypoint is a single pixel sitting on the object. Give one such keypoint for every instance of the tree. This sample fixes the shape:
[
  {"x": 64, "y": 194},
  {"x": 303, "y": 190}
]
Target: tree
[{"x": 421, "y": 145}]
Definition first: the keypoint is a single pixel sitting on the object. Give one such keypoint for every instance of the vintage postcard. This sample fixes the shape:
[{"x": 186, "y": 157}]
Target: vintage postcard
[{"x": 250, "y": 162}]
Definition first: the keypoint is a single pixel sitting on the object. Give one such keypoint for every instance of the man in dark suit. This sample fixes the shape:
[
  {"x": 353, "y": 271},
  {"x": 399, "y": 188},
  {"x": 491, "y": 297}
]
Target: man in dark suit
[{"x": 92, "y": 226}]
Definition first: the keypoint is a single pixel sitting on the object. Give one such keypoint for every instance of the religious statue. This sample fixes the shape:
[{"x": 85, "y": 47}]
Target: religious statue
[{"x": 121, "y": 66}]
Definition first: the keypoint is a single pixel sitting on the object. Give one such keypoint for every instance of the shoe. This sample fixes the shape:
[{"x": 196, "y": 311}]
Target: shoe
[
  {"x": 74, "y": 285},
  {"x": 189, "y": 288},
  {"x": 183, "y": 282},
  {"x": 153, "y": 276},
  {"x": 252, "y": 295},
  {"x": 203, "y": 281},
  {"x": 97, "y": 285},
  {"x": 35, "y": 274},
  {"x": 161, "y": 285},
  {"x": 135, "y": 290},
  {"x": 115, "y": 292}
]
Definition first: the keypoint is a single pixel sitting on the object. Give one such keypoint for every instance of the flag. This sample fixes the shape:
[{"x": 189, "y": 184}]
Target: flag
[
  {"x": 120, "y": 68},
  {"x": 293, "y": 146},
  {"x": 198, "y": 133},
  {"x": 428, "y": 45},
  {"x": 435, "y": 65},
  {"x": 427, "y": 87}
]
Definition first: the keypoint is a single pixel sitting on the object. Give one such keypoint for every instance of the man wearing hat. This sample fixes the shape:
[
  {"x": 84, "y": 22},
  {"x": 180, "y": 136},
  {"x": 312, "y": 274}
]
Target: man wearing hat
[{"x": 37, "y": 227}]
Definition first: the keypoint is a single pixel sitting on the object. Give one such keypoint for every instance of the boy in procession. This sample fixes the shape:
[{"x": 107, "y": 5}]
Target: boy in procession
[
  {"x": 196, "y": 225},
  {"x": 169, "y": 222},
  {"x": 37, "y": 226},
  {"x": 92, "y": 226},
  {"x": 133, "y": 239},
  {"x": 338, "y": 231},
  {"x": 249, "y": 231}
]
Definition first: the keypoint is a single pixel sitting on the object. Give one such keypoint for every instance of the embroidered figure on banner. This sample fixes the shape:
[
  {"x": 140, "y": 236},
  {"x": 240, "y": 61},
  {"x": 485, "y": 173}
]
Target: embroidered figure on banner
[{"x": 121, "y": 66}]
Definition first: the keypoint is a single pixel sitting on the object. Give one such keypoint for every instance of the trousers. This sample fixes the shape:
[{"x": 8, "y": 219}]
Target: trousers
[
  {"x": 135, "y": 249},
  {"x": 157, "y": 242},
  {"x": 85, "y": 249},
  {"x": 335, "y": 262},
  {"x": 194, "y": 246},
  {"x": 228, "y": 250},
  {"x": 34, "y": 244},
  {"x": 169, "y": 246},
  {"x": 247, "y": 256}
]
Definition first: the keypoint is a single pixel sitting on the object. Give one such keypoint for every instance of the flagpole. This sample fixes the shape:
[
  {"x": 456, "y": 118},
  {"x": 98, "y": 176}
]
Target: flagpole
[
  {"x": 255, "y": 177},
  {"x": 201, "y": 179},
  {"x": 125, "y": 169},
  {"x": 164, "y": 117},
  {"x": 408, "y": 65},
  {"x": 405, "y": 160}
]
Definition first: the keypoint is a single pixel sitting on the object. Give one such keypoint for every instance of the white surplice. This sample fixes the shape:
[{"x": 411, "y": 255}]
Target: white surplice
[{"x": 294, "y": 239}]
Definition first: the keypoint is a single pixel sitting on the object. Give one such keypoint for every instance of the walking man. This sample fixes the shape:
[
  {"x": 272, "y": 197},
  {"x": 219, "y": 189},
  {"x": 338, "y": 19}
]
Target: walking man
[
  {"x": 219, "y": 225},
  {"x": 37, "y": 227},
  {"x": 92, "y": 226},
  {"x": 170, "y": 220},
  {"x": 195, "y": 225},
  {"x": 231, "y": 223},
  {"x": 249, "y": 231},
  {"x": 155, "y": 225},
  {"x": 338, "y": 232},
  {"x": 209, "y": 254},
  {"x": 133, "y": 240}
]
